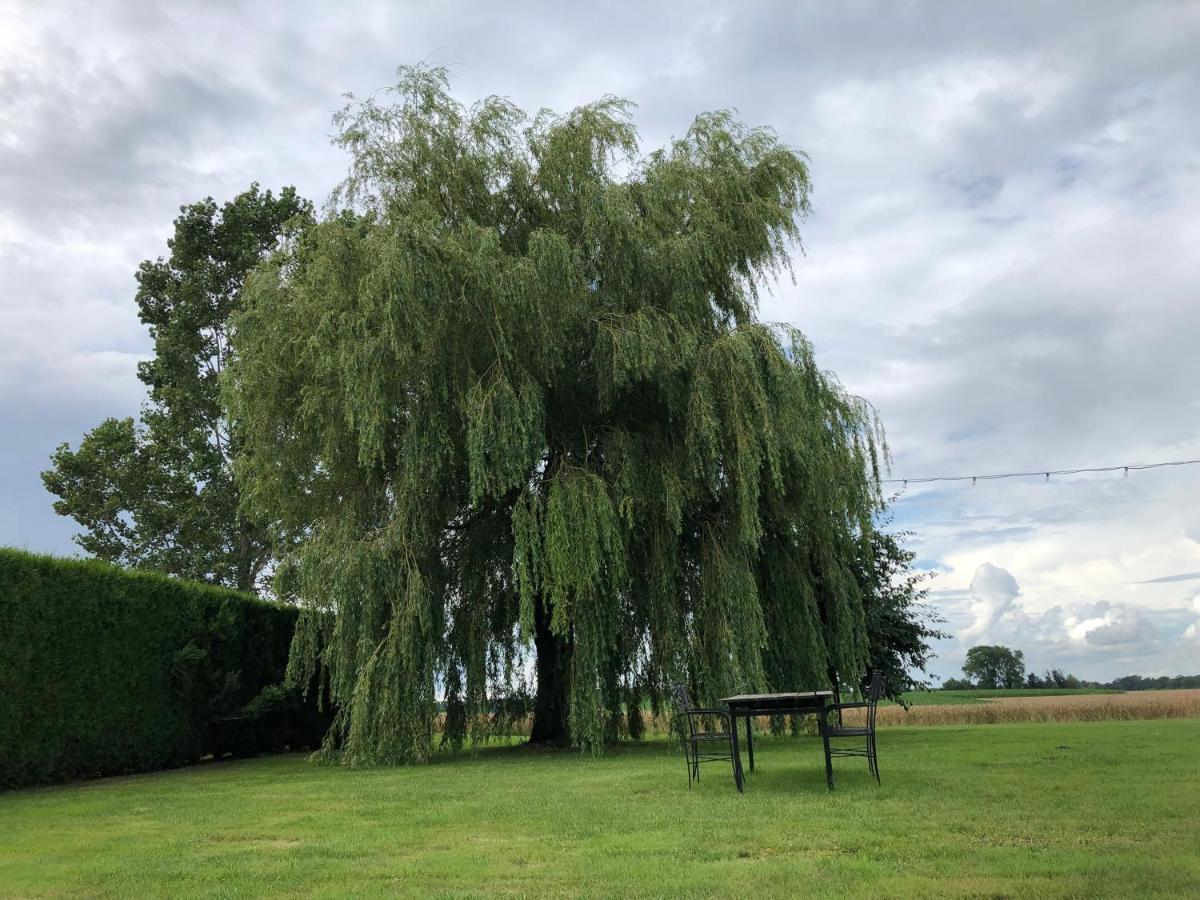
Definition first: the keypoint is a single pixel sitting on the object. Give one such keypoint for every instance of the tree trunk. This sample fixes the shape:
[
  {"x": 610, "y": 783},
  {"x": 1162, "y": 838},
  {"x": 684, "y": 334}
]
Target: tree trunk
[
  {"x": 245, "y": 569},
  {"x": 553, "y": 682}
]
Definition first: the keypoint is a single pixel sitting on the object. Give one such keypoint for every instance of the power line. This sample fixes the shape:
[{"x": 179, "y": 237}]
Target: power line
[{"x": 1041, "y": 472}]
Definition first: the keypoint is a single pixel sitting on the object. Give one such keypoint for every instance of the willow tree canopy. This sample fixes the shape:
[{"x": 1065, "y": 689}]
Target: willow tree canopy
[{"x": 512, "y": 402}]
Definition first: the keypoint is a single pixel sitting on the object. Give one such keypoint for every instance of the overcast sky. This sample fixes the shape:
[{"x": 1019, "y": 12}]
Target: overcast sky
[{"x": 1003, "y": 256}]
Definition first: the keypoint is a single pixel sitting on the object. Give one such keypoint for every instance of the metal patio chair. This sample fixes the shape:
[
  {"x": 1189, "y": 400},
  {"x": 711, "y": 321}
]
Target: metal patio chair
[
  {"x": 700, "y": 743},
  {"x": 838, "y": 729}
]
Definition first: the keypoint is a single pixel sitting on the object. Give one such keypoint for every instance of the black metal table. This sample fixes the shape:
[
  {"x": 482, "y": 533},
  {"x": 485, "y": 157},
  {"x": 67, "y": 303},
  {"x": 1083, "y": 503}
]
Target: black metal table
[{"x": 747, "y": 706}]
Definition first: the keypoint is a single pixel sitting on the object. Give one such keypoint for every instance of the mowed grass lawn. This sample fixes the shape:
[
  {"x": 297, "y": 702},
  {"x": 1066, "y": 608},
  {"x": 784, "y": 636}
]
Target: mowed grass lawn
[{"x": 1095, "y": 809}]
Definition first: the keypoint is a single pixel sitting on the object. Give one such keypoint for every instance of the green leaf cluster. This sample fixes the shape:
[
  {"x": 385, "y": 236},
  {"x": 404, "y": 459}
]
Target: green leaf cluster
[
  {"x": 995, "y": 666},
  {"x": 512, "y": 388},
  {"x": 159, "y": 493},
  {"x": 900, "y": 622}
]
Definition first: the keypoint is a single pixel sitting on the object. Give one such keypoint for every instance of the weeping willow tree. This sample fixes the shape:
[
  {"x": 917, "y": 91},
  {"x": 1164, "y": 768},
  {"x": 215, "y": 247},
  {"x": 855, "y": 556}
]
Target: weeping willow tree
[{"x": 510, "y": 404}]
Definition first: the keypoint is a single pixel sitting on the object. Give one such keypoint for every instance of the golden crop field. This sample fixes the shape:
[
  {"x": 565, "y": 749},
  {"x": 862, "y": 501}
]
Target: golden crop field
[
  {"x": 1179, "y": 704},
  {"x": 1097, "y": 707}
]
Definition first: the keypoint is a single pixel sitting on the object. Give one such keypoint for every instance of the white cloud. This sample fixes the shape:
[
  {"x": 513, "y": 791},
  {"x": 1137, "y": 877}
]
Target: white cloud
[
  {"x": 1098, "y": 639},
  {"x": 1192, "y": 632},
  {"x": 1124, "y": 625},
  {"x": 994, "y": 607}
]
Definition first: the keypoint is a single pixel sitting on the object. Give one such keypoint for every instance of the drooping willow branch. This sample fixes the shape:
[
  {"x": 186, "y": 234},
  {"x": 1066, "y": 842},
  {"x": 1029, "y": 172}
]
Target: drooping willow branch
[{"x": 516, "y": 392}]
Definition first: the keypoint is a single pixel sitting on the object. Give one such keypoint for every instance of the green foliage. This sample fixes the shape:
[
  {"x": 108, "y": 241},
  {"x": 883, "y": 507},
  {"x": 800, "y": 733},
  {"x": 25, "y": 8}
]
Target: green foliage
[
  {"x": 107, "y": 672},
  {"x": 994, "y": 666},
  {"x": 160, "y": 494},
  {"x": 515, "y": 394},
  {"x": 1154, "y": 683},
  {"x": 956, "y": 684},
  {"x": 1053, "y": 678},
  {"x": 899, "y": 623}
]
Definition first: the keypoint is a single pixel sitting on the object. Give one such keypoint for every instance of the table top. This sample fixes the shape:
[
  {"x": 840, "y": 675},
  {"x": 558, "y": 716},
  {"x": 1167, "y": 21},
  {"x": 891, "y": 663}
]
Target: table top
[{"x": 759, "y": 698}]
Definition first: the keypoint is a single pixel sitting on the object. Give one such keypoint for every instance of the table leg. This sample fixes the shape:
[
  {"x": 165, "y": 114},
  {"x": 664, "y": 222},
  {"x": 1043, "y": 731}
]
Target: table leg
[
  {"x": 825, "y": 742},
  {"x": 739, "y": 777},
  {"x": 750, "y": 742}
]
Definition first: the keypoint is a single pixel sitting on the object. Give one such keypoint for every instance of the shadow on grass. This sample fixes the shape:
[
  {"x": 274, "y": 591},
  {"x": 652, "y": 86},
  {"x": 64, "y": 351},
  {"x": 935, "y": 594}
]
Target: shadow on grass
[{"x": 784, "y": 766}]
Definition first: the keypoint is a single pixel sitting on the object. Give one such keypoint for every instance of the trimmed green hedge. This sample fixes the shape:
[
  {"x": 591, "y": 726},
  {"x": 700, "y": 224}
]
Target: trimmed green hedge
[{"x": 104, "y": 671}]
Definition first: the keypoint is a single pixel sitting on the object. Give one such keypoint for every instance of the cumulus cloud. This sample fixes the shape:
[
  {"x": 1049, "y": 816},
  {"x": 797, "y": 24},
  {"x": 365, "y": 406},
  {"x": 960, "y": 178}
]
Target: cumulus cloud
[
  {"x": 1119, "y": 626},
  {"x": 998, "y": 616},
  {"x": 994, "y": 606},
  {"x": 1093, "y": 639},
  {"x": 1192, "y": 632}
]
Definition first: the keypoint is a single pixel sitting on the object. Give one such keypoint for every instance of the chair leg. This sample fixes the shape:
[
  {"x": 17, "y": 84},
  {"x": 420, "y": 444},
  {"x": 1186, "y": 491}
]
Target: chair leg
[
  {"x": 749, "y": 742},
  {"x": 828, "y": 755},
  {"x": 875, "y": 760},
  {"x": 739, "y": 778}
]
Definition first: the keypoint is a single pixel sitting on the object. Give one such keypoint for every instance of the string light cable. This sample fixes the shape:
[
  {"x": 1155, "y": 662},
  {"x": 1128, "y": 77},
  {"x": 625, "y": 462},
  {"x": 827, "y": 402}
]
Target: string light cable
[{"x": 1132, "y": 467}]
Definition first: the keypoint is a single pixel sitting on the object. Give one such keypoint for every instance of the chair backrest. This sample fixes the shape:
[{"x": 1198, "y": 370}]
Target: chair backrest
[
  {"x": 682, "y": 702},
  {"x": 874, "y": 692},
  {"x": 874, "y": 686},
  {"x": 681, "y": 698}
]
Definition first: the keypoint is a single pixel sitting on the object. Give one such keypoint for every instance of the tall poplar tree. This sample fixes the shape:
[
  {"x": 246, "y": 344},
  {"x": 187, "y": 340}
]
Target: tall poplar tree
[
  {"x": 159, "y": 493},
  {"x": 513, "y": 398}
]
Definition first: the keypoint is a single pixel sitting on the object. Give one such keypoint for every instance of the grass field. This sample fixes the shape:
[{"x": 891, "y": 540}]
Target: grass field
[{"x": 1096, "y": 809}]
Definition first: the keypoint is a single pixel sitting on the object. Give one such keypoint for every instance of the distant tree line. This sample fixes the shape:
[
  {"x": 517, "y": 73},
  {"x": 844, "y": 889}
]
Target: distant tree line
[
  {"x": 995, "y": 666},
  {"x": 1161, "y": 683},
  {"x": 1054, "y": 678}
]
